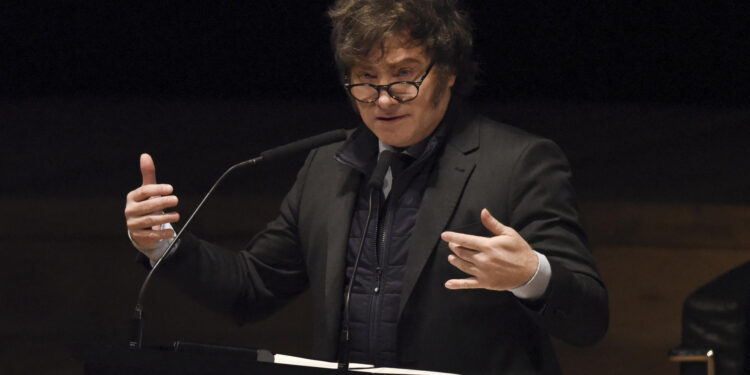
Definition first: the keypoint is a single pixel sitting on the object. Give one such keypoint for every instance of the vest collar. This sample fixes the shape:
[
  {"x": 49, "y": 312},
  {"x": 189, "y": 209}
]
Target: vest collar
[{"x": 361, "y": 149}]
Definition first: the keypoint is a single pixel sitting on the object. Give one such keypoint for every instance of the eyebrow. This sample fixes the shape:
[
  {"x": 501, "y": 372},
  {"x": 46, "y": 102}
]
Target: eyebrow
[
  {"x": 406, "y": 61},
  {"x": 409, "y": 60}
]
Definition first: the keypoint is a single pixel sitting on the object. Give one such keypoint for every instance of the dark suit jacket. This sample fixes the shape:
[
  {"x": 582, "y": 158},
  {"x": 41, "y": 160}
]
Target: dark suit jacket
[{"x": 522, "y": 179}]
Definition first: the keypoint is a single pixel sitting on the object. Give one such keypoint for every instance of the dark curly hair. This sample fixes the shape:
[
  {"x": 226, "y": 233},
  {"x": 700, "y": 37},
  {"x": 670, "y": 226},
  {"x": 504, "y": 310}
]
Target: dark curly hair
[{"x": 440, "y": 25}]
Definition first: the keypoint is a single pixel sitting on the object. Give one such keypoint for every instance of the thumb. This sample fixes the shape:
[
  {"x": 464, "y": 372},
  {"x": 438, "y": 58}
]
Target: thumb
[
  {"x": 148, "y": 171},
  {"x": 494, "y": 226}
]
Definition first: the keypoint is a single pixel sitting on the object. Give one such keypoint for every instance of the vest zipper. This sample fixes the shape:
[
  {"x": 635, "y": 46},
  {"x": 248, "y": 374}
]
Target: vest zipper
[{"x": 383, "y": 233}]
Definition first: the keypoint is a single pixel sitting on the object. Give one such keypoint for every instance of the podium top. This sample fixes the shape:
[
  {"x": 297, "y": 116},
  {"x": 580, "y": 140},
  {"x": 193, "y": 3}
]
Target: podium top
[{"x": 200, "y": 359}]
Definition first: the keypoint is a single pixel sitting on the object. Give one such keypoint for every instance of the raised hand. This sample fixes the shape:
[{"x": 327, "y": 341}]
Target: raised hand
[
  {"x": 144, "y": 210},
  {"x": 502, "y": 262}
]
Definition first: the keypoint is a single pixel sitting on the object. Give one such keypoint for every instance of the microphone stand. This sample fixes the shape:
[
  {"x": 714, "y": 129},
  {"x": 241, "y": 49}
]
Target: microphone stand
[
  {"x": 375, "y": 184},
  {"x": 136, "y": 338},
  {"x": 136, "y": 341}
]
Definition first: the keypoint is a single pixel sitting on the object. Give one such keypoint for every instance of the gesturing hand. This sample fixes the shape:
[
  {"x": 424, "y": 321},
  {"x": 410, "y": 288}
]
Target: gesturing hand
[
  {"x": 144, "y": 209},
  {"x": 502, "y": 262}
]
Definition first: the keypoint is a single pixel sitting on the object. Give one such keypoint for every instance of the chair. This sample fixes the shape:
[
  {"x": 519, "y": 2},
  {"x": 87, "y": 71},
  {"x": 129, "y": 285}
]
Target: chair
[{"x": 715, "y": 329}]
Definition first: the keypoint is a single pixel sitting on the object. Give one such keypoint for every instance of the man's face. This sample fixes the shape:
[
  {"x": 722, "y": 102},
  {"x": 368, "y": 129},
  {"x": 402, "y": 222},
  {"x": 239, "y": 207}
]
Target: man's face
[{"x": 394, "y": 123}]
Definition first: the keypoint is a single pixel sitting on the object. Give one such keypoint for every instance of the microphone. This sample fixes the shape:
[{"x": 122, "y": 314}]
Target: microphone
[
  {"x": 375, "y": 184},
  {"x": 304, "y": 144},
  {"x": 136, "y": 340},
  {"x": 378, "y": 174}
]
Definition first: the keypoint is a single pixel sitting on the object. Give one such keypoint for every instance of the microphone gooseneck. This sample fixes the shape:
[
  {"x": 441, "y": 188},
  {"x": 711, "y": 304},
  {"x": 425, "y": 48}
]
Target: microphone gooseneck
[
  {"x": 304, "y": 144},
  {"x": 136, "y": 340},
  {"x": 375, "y": 184}
]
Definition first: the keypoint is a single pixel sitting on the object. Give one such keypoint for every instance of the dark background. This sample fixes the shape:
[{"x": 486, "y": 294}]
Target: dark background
[
  {"x": 649, "y": 99},
  {"x": 687, "y": 52},
  {"x": 131, "y": 67}
]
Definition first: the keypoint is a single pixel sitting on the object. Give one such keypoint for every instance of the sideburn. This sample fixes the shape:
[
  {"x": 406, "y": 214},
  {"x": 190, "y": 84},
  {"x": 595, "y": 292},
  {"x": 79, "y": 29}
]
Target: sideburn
[{"x": 440, "y": 86}]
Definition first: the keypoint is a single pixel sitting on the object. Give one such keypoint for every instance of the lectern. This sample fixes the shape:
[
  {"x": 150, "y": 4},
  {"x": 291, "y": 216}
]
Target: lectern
[{"x": 188, "y": 359}]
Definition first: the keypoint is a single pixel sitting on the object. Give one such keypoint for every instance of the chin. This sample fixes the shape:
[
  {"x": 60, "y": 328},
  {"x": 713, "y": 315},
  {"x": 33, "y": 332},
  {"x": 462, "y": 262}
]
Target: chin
[
  {"x": 397, "y": 134},
  {"x": 394, "y": 140}
]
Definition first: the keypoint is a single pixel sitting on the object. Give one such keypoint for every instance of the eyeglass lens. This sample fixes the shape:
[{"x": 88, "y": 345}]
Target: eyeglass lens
[{"x": 402, "y": 91}]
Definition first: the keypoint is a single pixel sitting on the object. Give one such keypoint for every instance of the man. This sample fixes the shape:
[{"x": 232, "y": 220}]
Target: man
[{"x": 473, "y": 256}]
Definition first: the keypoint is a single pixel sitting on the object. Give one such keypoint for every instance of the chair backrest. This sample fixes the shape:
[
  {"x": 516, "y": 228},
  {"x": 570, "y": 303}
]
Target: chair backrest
[{"x": 716, "y": 317}]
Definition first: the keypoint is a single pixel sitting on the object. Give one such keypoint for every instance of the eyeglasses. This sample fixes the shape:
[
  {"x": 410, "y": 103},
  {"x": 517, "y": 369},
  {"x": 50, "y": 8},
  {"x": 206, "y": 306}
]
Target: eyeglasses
[{"x": 402, "y": 91}]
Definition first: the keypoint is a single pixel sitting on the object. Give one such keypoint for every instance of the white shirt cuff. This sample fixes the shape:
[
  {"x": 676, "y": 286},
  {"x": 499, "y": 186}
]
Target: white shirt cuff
[{"x": 537, "y": 285}]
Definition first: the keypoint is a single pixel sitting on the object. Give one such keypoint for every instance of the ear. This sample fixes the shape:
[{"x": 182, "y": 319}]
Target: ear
[{"x": 451, "y": 80}]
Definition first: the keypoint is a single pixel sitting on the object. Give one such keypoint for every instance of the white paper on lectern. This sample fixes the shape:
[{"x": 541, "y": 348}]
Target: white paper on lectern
[
  {"x": 405, "y": 371},
  {"x": 358, "y": 367},
  {"x": 299, "y": 361}
]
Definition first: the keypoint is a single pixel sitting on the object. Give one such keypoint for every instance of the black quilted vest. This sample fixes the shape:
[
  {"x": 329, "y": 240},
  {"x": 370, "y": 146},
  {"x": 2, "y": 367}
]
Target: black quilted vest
[{"x": 376, "y": 293}]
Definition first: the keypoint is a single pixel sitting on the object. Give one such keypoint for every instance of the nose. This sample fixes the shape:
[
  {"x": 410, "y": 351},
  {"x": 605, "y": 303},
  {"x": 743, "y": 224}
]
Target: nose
[{"x": 385, "y": 99}]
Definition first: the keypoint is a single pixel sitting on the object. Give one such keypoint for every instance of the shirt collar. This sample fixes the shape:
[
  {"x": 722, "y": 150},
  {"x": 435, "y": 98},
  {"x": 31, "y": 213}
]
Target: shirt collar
[{"x": 414, "y": 150}]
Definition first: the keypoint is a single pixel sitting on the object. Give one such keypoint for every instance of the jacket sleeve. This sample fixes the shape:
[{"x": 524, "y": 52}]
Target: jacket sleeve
[
  {"x": 251, "y": 283},
  {"x": 574, "y": 307}
]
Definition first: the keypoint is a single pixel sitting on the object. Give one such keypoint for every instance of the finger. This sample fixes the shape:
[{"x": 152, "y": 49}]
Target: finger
[
  {"x": 493, "y": 225},
  {"x": 148, "y": 234},
  {"x": 150, "y": 206},
  {"x": 464, "y": 266},
  {"x": 149, "y": 238},
  {"x": 468, "y": 241},
  {"x": 462, "y": 252},
  {"x": 151, "y": 221},
  {"x": 148, "y": 170},
  {"x": 469, "y": 283},
  {"x": 145, "y": 192}
]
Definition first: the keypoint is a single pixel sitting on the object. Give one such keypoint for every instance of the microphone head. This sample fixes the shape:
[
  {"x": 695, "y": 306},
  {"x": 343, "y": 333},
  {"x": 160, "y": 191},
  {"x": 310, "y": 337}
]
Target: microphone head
[
  {"x": 378, "y": 174},
  {"x": 304, "y": 144}
]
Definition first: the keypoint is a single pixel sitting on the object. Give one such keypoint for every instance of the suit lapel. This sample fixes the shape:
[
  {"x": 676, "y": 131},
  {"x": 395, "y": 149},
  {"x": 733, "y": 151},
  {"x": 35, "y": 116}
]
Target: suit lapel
[{"x": 443, "y": 192}]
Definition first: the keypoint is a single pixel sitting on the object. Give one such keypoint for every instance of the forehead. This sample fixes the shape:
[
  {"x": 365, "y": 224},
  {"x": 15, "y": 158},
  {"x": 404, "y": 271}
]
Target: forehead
[{"x": 394, "y": 50}]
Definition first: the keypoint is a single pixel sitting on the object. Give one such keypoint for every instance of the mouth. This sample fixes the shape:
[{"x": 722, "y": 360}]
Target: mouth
[{"x": 390, "y": 119}]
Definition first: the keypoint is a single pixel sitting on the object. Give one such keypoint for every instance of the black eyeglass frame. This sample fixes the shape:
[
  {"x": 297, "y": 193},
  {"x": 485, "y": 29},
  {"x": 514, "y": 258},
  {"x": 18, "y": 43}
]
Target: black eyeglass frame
[{"x": 387, "y": 88}]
